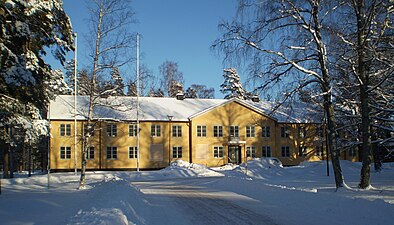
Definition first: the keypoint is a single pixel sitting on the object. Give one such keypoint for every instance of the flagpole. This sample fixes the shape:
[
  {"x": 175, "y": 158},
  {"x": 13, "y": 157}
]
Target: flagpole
[
  {"x": 138, "y": 104},
  {"x": 75, "y": 104}
]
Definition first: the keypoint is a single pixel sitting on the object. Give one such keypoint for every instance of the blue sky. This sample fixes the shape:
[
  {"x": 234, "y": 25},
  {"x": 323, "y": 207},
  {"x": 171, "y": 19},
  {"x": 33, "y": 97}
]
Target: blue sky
[{"x": 177, "y": 30}]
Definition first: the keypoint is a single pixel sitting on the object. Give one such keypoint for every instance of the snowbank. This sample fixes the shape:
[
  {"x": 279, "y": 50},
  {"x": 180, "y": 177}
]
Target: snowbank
[
  {"x": 182, "y": 168},
  {"x": 112, "y": 201}
]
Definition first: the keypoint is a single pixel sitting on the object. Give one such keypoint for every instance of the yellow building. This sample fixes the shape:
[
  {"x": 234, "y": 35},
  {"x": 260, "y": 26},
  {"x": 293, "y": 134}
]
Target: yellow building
[{"x": 212, "y": 132}]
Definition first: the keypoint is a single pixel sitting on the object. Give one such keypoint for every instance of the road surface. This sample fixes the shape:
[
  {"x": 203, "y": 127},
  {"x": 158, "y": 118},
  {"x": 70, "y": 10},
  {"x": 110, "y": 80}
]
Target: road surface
[{"x": 190, "y": 201}]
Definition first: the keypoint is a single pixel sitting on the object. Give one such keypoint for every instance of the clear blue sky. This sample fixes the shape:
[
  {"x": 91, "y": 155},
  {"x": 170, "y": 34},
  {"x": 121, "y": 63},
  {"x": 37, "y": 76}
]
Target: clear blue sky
[{"x": 177, "y": 30}]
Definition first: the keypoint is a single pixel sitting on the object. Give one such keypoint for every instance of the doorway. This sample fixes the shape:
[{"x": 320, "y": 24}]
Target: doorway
[{"x": 234, "y": 154}]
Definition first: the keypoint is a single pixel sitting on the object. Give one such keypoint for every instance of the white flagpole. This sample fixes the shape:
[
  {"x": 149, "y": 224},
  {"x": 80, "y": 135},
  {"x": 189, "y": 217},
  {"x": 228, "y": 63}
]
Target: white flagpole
[
  {"x": 138, "y": 104},
  {"x": 75, "y": 105}
]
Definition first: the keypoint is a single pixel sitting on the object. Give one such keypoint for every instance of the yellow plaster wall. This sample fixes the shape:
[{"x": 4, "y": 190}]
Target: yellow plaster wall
[
  {"x": 122, "y": 141},
  {"x": 227, "y": 115}
]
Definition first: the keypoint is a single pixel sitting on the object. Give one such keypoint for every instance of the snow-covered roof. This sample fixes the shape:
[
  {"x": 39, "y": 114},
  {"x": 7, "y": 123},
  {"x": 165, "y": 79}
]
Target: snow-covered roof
[{"x": 158, "y": 109}]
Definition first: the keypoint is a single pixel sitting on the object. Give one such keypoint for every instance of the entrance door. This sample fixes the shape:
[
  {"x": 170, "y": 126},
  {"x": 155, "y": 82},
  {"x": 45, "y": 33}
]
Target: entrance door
[{"x": 234, "y": 154}]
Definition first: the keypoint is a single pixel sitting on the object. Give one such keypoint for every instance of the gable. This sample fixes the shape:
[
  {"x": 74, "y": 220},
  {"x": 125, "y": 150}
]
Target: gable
[{"x": 231, "y": 109}]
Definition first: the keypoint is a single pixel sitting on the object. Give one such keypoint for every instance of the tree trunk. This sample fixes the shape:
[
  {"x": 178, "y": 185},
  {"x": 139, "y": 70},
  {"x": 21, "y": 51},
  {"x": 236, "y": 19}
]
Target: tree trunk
[
  {"x": 326, "y": 90},
  {"x": 6, "y": 162},
  {"x": 11, "y": 161},
  {"x": 82, "y": 181},
  {"x": 364, "y": 95},
  {"x": 332, "y": 141}
]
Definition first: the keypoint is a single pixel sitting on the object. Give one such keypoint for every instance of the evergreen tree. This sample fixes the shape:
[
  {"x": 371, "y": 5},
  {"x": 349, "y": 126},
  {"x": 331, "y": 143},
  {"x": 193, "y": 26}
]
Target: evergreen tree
[
  {"x": 117, "y": 82},
  {"x": 232, "y": 86},
  {"x": 191, "y": 93},
  {"x": 132, "y": 89},
  {"x": 27, "y": 82}
]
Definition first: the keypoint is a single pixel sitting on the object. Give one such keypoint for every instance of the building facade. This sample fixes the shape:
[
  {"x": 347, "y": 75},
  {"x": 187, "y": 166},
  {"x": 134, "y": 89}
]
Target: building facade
[{"x": 203, "y": 131}]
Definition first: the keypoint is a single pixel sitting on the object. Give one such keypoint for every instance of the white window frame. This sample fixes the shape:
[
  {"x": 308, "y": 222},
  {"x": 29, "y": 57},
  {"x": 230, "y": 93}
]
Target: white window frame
[
  {"x": 113, "y": 152},
  {"x": 285, "y": 151},
  {"x": 218, "y": 152},
  {"x": 133, "y": 153},
  {"x": 65, "y": 129},
  {"x": 201, "y": 130},
  {"x": 112, "y": 130},
  {"x": 177, "y": 152},
  {"x": 266, "y": 131},
  {"x": 285, "y": 131},
  {"x": 251, "y": 151},
  {"x": 266, "y": 151},
  {"x": 155, "y": 130},
  {"x": 234, "y": 131},
  {"x": 218, "y": 131},
  {"x": 133, "y": 130},
  {"x": 90, "y": 151},
  {"x": 251, "y": 131},
  {"x": 66, "y": 152},
  {"x": 176, "y": 131}
]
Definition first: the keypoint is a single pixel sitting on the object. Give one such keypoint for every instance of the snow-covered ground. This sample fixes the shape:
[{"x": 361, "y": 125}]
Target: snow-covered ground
[{"x": 261, "y": 192}]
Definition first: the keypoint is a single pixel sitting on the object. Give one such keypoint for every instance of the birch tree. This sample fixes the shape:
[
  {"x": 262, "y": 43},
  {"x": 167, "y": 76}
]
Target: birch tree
[
  {"x": 112, "y": 42},
  {"x": 170, "y": 73},
  {"x": 283, "y": 42},
  {"x": 366, "y": 36}
]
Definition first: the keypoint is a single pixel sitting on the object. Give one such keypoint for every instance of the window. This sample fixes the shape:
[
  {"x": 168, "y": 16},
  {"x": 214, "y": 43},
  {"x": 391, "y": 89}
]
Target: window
[
  {"x": 234, "y": 131},
  {"x": 284, "y": 132},
  {"x": 177, "y": 131},
  {"x": 251, "y": 151},
  {"x": 65, "y": 152},
  {"x": 112, "y": 152},
  {"x": 218, "y": 131},
  {"x": 155, "y": 130},
  {"x": 132, "y": 130},
  {"x": 65, "y": 129},
  {"x": 266, "y": 151},
  {"x": 302, "y": 131},
  {"x": 111, "y": 130},
  {"x": 133, "y": 152},
  {"x": 218, "y": 152},
  {"x": 302, "y": 151},
  {"x": 250, "y": 131},
  {"x": 90, "y": 153},
  {"x": 88, "y": 129},
  {"x": 352, "y": 152},
  {"x": 201, "y": 131},
  {"x": 266, "y": 131},
  {"x": 285, "y": 151},
  {"x": 319, "y": 151},
  {"x": 176, "y": 152}
]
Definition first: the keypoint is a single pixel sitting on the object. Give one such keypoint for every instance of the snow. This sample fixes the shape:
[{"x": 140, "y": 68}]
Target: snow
[
  {"x": 259, "y": 192},
  {"x": 158, "y": 108}
]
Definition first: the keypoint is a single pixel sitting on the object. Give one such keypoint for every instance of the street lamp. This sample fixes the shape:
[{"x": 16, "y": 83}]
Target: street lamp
[{"x": 169, "y": 138}]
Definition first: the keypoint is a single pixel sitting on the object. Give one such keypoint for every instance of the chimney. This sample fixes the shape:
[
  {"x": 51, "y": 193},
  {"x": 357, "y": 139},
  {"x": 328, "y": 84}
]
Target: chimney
[
  {"x": 180, "y": 96},
  {"x": 255, "y": 98}
]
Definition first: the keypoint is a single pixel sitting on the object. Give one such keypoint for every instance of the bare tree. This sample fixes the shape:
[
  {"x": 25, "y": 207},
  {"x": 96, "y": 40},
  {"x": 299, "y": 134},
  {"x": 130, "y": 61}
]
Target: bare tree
[
  {"x": 112, "y": 41},
  {"x": 283, "y": 43},
  {"x": 367, "y": 53},
  {"x": 200, "y": 91},
  {"x": 169, "y": 73}
]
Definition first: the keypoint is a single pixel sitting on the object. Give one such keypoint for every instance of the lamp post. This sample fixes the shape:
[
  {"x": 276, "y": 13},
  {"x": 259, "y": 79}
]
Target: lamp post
[{"x": 169, "y": 138}]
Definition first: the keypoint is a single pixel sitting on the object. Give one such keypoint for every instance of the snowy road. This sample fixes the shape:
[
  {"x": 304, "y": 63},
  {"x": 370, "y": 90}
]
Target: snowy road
[{"x": 189, "y": 201}]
